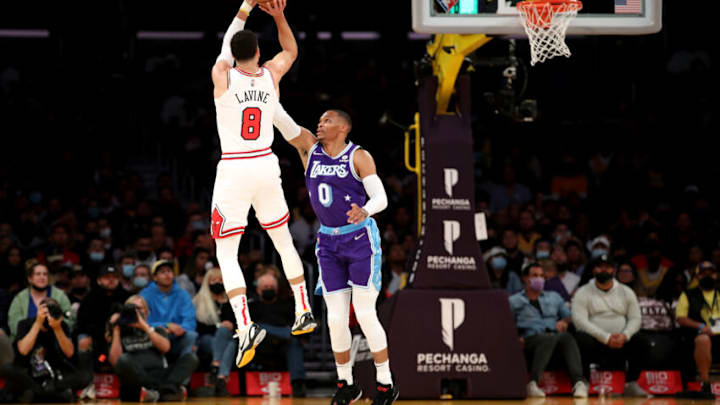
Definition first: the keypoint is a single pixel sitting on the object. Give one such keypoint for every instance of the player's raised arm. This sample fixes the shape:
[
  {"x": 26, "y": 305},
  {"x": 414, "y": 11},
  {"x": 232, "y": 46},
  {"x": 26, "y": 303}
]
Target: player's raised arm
[
  {"x": 282, "y": 62},
  {"x": 365, "y": 167},
  {"x": 297, "y": 136},
  {"x": 225, "y": 61}
]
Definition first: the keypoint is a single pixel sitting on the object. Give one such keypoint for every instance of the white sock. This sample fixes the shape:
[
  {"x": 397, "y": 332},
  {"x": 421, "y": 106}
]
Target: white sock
[
  {"x": 242, "y": 314},
  {"x": 383, "y": 373},
  {"x": 344, "y": 372},
  {"x": 302, "y": 304}
]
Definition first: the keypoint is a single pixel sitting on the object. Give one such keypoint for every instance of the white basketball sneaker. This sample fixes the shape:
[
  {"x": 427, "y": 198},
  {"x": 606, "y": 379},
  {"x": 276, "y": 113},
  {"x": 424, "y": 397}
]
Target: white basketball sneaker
[
  {"x": 247, "y": 342},
  {"x": 304, "y": 323}
]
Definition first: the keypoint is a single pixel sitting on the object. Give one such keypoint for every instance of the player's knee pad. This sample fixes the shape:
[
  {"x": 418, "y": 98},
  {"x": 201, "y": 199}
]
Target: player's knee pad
[
  {"x": 338, "y": 318},
  {"x": 282, "y": 240},
  {"x": 364, "y": 300},
  {"x": 226, "y": 250}
]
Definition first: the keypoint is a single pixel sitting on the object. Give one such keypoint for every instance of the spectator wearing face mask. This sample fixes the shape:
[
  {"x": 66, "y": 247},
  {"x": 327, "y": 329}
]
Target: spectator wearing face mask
[
  {"x": 500, "y": 277},
  {"x": 275, "y": 313},
  {"x": 542, "y": 249},
  {"x": 141, "y": 278},
  {"x": 542, "y": 320},
  {"x": 95, "y": 258},
  {"x": 127, "y": 270},
  {"x": 96, "y": 308},
  {"x": 215, "y": 327},
  {"x": 26, "y": 302},
  {"x": 607, "y": 317},
  {"x": 698, "y": 312}
]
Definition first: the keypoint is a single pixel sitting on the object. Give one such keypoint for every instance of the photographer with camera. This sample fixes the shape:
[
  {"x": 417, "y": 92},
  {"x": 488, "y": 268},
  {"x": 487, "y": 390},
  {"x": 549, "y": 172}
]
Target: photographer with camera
[
  {"x": 44, "y": 351},
  {"x": 137, "y": 352},
  {"x": 26, "y": 302}
]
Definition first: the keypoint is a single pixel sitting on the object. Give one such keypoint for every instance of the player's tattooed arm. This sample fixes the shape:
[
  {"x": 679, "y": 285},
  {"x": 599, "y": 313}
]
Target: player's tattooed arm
[{"x": 282, "y": 62}]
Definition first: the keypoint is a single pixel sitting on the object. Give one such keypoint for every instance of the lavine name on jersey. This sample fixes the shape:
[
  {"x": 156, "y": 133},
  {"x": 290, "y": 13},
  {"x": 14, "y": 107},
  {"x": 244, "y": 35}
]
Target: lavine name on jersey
[
  {"x": 319, "y": 169},
  {"x": 253, "y": 95}
]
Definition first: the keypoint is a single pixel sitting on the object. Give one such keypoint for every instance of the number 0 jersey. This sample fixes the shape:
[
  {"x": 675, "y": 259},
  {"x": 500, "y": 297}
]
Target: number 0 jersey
[
  {"x": 245, "y": 113},
  {"x": 333, "y": 184}
]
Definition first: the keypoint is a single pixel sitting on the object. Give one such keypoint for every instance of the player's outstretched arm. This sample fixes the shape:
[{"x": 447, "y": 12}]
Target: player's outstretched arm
[
  {"x": 225, "y": 61},
  {"x": 297, "y": 136},
  {"x": 282, "y": 62},
  {"x": 365, "y": 168}
]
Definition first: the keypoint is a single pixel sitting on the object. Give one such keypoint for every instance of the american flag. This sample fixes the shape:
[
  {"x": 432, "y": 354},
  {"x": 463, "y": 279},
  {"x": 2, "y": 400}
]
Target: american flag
[
  {"x": 628, "y": 6},
  {"x": 447, "y": 4}
]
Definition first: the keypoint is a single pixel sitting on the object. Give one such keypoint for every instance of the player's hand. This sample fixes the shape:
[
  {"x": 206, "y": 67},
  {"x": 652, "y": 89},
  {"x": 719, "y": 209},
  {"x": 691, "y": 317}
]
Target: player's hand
[
  {"x": 273, "y": 7},
  {"x": 356, "y": 214}
]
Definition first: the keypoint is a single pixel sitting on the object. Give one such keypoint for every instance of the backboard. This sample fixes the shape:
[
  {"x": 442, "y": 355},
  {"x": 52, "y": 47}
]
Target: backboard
[{"x": 500, "y": 17}]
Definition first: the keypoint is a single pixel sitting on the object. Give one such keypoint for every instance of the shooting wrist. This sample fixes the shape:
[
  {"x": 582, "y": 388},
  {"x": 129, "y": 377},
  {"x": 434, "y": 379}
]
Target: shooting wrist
[{"x": 246, "y": 8}]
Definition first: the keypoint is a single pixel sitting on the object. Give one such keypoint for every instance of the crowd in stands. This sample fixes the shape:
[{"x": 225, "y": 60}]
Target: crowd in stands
[{"x": 604, "y": 233}]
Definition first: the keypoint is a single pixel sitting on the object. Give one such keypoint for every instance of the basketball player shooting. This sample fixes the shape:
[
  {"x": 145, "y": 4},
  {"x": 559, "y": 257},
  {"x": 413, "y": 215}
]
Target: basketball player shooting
[
  {"x": 338, "y": 174},
  {"x": 247, "y": 105}
]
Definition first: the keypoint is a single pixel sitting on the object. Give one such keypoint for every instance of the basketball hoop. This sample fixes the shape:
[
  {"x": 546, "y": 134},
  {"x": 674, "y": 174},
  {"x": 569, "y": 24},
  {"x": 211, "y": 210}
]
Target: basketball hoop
[{"x": 546, "y": 22}]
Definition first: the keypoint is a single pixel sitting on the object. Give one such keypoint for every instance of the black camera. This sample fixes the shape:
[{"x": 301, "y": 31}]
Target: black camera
[
  {"x": 54, "y": 310},
  {"x": 128, "y": 315}
]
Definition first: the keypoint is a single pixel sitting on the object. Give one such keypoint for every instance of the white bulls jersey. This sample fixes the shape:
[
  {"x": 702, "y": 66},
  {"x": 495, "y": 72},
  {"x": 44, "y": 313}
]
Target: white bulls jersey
[{"x": 245, "y": 113}]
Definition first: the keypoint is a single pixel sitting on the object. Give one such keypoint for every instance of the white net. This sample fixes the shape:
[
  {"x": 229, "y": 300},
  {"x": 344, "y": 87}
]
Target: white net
[{"x": 545, "y": 23}]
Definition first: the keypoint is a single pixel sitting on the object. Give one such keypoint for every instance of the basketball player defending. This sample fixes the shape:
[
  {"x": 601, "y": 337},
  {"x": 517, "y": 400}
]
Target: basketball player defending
[
  {"x": 338, "y": 175},
  {"x": 246, "y": 100}
]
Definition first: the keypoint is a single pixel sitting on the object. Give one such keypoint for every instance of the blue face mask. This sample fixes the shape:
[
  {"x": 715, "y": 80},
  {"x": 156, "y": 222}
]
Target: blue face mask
[
  {"x": 140, "y": 282},
  {"x": 599, "y": 252},
  {"x": 97, "y": 256},
  {"x": 542, "y": 254},
  {"x": 128, "y": 270},
  {"x": 498, "y": 262}
]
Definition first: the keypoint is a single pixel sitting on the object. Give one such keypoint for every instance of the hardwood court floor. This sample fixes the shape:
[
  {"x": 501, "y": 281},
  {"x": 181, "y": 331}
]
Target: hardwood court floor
[{"x": 548, "y": 401}]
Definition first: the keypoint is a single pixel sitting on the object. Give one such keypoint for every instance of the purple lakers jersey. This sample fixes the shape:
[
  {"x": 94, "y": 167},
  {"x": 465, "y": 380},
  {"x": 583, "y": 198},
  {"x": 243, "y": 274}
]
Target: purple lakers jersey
[{"x": 333, "y": 184}]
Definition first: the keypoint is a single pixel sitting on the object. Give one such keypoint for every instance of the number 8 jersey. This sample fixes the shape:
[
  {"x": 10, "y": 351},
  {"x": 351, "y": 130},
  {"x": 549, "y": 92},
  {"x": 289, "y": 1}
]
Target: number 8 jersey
[
  {"x": 333, "y": 184},
  {"x": 245, "y": 111}
]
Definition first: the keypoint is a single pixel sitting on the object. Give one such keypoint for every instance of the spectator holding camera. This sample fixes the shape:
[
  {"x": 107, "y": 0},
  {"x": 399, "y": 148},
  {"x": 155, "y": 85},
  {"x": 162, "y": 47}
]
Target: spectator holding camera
[
  {"x": 698, "y": 312},
  {"x": 26, "y": 303},
  {"x": 44, "y": 351},
  {"x": 137, "y": 351},
  {"x": 215, "y": 326},
  {"x": 607, "y": 316},
  {"x": 96, "y": 308},
  {"x": 542, "y": 320},
  {"x": 171, "y": 307}
]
